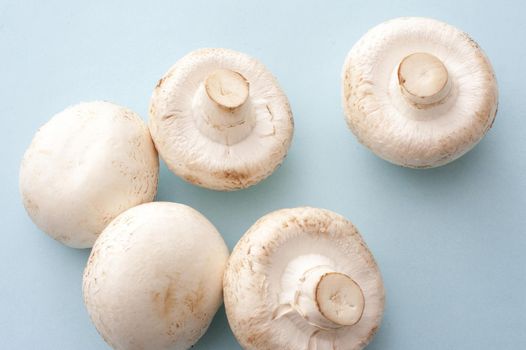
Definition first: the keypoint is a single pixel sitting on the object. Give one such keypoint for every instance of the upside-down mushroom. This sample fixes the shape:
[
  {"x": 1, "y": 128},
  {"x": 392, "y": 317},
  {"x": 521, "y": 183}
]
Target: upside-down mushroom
[
  {"x": 219, "y": 120},
  {"x": 154, "y": 278},
  {"x": 84, "y": 167},
  {"x": 301, "y": 279},
  {"x": 418, "y": 92}
]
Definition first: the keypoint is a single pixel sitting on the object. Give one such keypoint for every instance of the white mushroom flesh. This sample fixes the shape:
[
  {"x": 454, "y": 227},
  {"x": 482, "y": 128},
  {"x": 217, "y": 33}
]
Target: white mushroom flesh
[
  {"x": 219, "y": 119},
  {"x": 84, "y": 167},
  {"x": 303, "y": 279},
  {"x": 154, "y": 278},
  {"x": 418, "y": 92}
]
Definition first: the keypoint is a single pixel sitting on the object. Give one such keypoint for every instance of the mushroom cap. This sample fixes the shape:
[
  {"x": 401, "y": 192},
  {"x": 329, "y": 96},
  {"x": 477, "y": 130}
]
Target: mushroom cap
[
  {"x": 150, "y": 282},
  {"x": 408, "y": 134},
  {"x": 201, "y": 160},
  {"x": 252, "y": 285},
  {"x": 84, "y": 167}
]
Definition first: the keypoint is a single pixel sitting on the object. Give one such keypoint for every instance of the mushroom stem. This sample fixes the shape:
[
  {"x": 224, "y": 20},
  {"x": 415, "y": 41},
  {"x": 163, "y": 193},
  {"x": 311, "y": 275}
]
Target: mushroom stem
[
  {"x": 329, "y": 299},
  {"x": 423, "y": 79},
  {"x": 228, "y": 89},
  {"x": 222, "y": 107}
]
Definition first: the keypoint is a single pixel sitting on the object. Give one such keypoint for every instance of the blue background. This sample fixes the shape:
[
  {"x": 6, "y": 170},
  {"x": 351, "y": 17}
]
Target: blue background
[{"x": 450, "y": 241}]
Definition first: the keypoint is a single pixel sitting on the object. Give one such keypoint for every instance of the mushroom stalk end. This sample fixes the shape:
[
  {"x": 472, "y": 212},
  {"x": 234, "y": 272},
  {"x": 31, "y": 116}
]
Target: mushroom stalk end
[
  {"x": 328, "y": 299},
  {"x": 340, "y": 299},
  {"x": 228, "y": 89},
  {"x": 423, "y": 79}
]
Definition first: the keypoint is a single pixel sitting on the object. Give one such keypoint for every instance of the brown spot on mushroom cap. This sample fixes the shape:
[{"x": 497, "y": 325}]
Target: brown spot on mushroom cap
[
  {"x": 235, "y": 176},
  {"x": 194, "y": 299},
  {"x": 160, "y": 82},
  {"x": 192, "y": 179},
  {"x": 165, "y": 300}
]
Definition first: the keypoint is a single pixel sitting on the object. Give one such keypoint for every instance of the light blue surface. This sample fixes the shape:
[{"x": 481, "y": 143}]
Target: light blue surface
[{"x": 450, "y": 241}]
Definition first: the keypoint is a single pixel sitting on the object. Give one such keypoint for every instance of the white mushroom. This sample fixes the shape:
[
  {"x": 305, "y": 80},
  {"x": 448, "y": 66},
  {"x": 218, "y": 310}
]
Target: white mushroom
[
  {"x": 418, "y": 92},
  {"x": 301, "y": 279},
  {"x": 84, "y": 167},
  {"x": 154, "y": 277},
  {"x": 219, "y": 120}
]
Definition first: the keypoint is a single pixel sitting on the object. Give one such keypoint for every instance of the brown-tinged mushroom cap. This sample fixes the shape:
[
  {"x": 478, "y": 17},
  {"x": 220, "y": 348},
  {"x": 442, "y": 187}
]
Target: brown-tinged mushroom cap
[
  {"x": 154, "y": 278},
  {"x": 219, "y": 119},
  {"x": 84, "y": 167},
  {"x": 303, "y": 278},
  {"x": 418, "y": 92}
]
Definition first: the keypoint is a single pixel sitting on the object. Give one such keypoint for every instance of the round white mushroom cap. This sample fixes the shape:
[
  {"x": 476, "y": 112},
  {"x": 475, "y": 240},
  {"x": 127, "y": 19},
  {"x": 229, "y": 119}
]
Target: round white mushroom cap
[
  {"x": 84, "y": 167},
  {"x": 418, "y": 92},
  {"x": 300, "y": 279},
  {"x": 154, "y": 277},
  {"x": 219, "y": 120}
]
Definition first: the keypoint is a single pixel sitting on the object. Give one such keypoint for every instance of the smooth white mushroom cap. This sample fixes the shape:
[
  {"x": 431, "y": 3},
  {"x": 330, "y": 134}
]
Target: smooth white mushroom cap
[
  {"x": 278, "y": 283},
  {"x": 154, "y": 277},
  {"x": 219, "y": 119},
  {"x": 418, "y": 92},
  {"x": 84, "y": 167}
]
